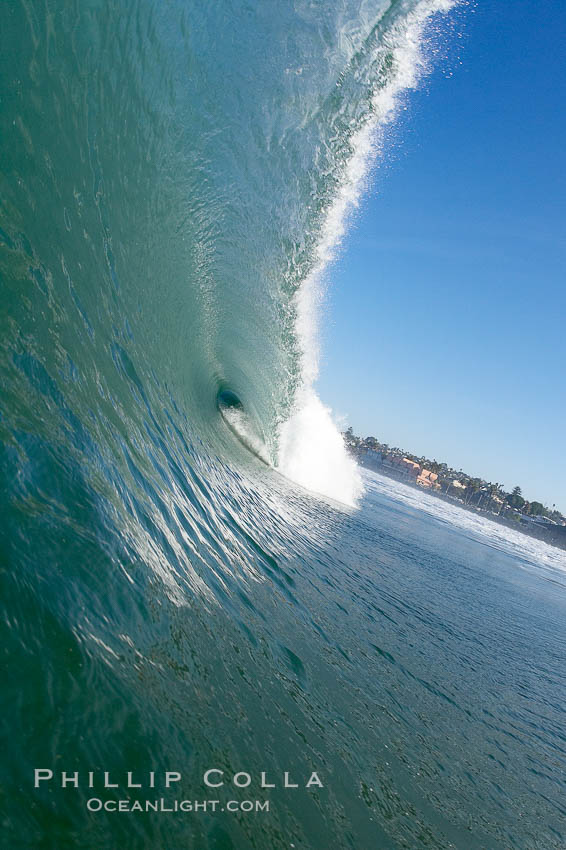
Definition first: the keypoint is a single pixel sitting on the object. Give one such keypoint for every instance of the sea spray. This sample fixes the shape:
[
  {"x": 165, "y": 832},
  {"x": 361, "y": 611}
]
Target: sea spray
[{"x": 311, "y": 448}]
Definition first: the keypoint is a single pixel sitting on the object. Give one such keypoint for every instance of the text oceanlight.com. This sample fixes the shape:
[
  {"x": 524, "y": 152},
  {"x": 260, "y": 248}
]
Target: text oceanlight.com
[{"x": 95, "y": 804}]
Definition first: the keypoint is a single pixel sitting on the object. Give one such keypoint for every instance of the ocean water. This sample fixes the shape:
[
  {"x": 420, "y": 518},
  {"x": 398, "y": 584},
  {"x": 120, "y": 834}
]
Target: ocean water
[{"x": 194, "y": 574}]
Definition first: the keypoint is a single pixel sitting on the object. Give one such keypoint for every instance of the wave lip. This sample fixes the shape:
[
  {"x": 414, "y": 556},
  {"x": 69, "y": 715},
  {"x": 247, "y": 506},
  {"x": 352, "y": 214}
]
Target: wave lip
[{"x": 312, "y": 451}]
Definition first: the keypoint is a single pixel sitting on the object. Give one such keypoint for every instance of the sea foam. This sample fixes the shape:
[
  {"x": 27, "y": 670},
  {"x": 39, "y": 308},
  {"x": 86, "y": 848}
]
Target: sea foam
[{"x": 311, "y": 448}]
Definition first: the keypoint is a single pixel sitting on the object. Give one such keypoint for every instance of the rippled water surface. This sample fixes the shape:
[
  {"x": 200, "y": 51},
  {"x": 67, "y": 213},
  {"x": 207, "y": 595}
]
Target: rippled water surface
[{"x": 174, "y": 177}]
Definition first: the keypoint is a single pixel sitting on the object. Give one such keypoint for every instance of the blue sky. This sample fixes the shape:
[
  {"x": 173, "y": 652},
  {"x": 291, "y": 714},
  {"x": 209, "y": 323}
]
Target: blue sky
[{"x": 445, "y": 327}]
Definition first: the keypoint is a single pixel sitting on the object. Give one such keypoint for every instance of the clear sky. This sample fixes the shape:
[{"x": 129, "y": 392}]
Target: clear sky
[{"x": 445, "y": 327}]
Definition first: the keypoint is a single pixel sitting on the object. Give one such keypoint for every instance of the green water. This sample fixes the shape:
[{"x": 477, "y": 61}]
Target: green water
[{"x": 173, "y": 178}]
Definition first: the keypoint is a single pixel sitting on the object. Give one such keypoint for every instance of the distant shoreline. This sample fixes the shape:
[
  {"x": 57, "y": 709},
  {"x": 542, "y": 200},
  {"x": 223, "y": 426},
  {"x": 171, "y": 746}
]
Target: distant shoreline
[{"x": 553, "y": 535}]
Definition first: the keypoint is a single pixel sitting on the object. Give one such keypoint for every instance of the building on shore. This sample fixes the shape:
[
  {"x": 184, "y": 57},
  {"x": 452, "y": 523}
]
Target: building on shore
[
  {"x": 428, "y": 479},
  {"x": 472, "y": 493},
  {"x": 401, "y": 467}
]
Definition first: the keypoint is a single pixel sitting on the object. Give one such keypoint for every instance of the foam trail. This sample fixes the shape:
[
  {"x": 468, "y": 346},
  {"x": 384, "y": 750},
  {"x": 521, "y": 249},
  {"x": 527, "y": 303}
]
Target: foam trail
[
  {"x": 311, "y": 448},
  {"x": 242, "y": 427}
]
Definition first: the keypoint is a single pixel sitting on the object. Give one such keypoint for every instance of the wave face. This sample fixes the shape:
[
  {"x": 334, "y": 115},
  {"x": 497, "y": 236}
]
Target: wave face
[{"x": 175, "y": 179}]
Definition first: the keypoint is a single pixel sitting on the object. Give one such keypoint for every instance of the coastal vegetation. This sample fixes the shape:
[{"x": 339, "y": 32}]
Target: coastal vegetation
[{"x": 473, "y": 492}]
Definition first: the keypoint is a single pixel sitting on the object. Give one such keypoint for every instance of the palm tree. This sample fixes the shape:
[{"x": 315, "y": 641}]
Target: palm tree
[
  {"x": 473, "y": 487},
  {"x": 492, "y": 489}
]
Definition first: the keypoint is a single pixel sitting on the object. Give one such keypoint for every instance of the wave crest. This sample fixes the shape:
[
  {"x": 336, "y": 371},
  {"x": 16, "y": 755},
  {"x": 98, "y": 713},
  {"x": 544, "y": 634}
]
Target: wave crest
[{"x": 311, "y": 449}]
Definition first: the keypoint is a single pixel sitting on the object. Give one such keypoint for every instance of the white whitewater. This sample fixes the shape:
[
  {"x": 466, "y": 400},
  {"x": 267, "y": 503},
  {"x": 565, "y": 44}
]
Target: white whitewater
[{"x": 311, "y": 447}]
